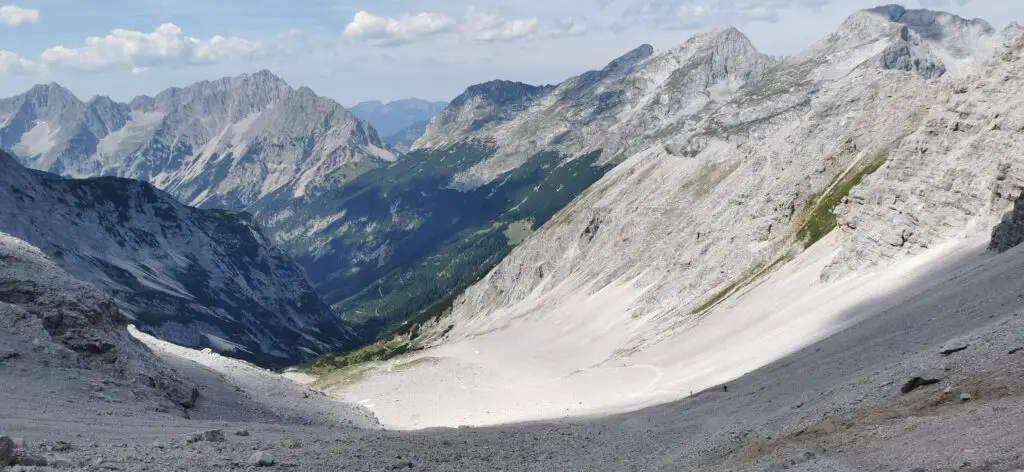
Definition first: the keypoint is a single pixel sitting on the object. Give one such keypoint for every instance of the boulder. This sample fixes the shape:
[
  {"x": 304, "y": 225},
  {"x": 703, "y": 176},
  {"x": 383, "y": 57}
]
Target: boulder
[
  {"x": 916, "y": 383},
  {"x": 953, "y": 347},
  {"x": 261, "y": 459},
  {"x": 213, "y": 435},
  {"x": 6, "y": 451},
  {"x": 32, "y": 461},
  {"x": 1010, "y": 232}
]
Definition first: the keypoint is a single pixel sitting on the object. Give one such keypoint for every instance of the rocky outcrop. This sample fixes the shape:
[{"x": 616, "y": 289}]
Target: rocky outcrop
[
  {"x": 73, "y": 325},
  {"x": 1009, "y": 233},
  {"x": 478, "y": 108}
]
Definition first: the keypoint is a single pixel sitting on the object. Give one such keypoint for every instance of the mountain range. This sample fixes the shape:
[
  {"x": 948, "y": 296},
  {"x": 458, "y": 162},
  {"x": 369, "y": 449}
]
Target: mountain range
[
  {"x": 222, "y": 144},
  {"x": 384, "y": 239},
  {"x": 602, "y": 163}
]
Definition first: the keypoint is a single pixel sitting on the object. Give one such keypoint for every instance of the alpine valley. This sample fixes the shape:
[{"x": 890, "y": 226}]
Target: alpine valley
[
  {"x": 381, "y": 237},
  {"x": 697, "y": 258}
]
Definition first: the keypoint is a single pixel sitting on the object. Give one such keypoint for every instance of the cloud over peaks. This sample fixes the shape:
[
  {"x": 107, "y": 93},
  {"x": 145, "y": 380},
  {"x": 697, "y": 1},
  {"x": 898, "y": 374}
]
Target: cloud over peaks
[
  {"x": 383, "y": 31},
  {"x": 11, "y": 63},
  {"x": 127, "y": 49}
]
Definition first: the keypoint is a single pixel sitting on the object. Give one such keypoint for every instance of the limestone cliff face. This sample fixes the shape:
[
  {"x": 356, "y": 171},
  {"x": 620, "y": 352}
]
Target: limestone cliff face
[
  {"x": 621, "y": 109},
  {"x": 836, "y": 139}
]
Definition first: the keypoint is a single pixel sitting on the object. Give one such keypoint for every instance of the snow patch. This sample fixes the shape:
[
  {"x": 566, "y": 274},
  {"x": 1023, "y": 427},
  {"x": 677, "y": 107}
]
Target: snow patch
[{"x": 39, "y": 140}]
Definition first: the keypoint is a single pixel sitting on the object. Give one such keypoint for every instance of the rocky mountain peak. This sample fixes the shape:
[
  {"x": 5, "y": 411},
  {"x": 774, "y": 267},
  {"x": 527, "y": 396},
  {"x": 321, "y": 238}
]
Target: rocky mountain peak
[
  {"x": 612, "y": 109},
  {"x": 631, "y": 59},
  {"x": 930, "y": 24},
  {"x": 501, "y": 92},
  {"x": 236, "y": 96},
  {"x": 224, "y": 143},
  {"x": 52, "y": 91},
  {"x": 201, "y": 278},
  {"x": 101, "y": 101},
  {"x": 478, "y": 107},
  {"x": 718, "y": 36},
  {"x": 261, "y": 80},
  {"x": 929, "y": 43},
  {"x": 44, "y": 101}
]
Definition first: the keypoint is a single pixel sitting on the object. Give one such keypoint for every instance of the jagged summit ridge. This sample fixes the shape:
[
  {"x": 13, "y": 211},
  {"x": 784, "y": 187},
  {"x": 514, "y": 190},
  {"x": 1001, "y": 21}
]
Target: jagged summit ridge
[
  {"x": 227, "y": 142},
  {"x": 930, "y": 24},
  {"x": 616, "y": 109}
]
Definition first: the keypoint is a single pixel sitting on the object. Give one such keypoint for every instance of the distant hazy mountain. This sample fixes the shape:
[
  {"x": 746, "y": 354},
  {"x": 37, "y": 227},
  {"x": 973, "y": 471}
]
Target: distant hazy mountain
[
  {"x": 392, "y": 117},
  {"x": 403, "y": 140},
  {"x": 198, "y": 278}
]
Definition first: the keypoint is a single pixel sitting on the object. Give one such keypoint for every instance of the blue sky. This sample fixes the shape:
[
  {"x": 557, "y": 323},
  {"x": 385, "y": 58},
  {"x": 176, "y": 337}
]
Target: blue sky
[{"x": 353, "y": 50}]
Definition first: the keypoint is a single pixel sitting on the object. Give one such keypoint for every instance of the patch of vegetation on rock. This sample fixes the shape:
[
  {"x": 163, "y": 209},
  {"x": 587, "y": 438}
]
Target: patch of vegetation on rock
[{"x": 819, "y": 219}]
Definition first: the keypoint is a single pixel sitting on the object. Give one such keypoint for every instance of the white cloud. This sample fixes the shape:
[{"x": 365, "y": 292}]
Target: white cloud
[
  {"x": 11, "y": 63},
  {"x": 127, "y": 49},
  {"x": 383, "y": 31},
  {"x": 696, "y": 14},
  {"x": 13, "y": 15},
  {"x": 566, "y": 27},
  {"x": 492, "y": 26}
]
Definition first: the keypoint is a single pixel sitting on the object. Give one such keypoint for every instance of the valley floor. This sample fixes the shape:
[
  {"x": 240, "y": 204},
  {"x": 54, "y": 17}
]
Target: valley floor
[{"x": 835, "y": 405}]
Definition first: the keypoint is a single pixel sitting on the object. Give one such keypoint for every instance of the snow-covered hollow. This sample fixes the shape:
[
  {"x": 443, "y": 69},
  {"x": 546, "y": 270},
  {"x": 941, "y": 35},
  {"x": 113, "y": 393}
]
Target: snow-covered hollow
[{"x": 564, "y": 353}]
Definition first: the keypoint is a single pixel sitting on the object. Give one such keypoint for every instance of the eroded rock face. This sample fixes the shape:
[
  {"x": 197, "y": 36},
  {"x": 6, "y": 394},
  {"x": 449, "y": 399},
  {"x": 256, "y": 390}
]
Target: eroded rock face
[{"x": 1009, "y": 233}]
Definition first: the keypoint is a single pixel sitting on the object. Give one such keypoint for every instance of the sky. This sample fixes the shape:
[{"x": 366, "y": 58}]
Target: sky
[{"x": 356, "y": 50}]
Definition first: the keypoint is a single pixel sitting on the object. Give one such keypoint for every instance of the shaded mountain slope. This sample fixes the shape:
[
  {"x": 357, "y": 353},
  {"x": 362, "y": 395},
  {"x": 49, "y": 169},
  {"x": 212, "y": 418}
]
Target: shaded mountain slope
[{"x": 202, "y": 278}]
